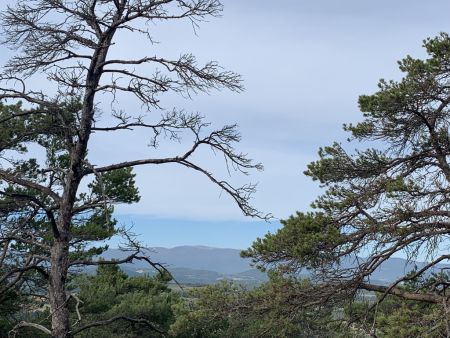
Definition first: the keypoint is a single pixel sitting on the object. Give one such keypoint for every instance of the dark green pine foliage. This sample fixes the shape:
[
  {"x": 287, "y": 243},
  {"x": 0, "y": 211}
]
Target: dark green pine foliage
[
  {"x": 389, "y": 195},
  {"x": 111, "y": 293},
  {"x": 273, "y": 309},
  {"x": 10, "y": 309},
  {"x": 395, "y": 317}
]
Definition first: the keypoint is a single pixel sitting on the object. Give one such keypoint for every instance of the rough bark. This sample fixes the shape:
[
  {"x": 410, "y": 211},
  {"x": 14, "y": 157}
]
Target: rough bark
[{"x": 57, "y": 289}]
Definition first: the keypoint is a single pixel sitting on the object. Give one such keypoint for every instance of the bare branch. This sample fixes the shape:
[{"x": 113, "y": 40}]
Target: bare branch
[
  {"x": 29, "y": 184},
  {"x": 141, "y": 321},
  {"x": 422, "y": 297},
  {"x": 23, "y": 324}
]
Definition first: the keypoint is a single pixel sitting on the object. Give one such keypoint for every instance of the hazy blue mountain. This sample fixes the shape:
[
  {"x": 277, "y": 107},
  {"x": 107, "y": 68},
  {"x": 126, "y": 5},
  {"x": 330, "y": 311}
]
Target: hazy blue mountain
[
  {"x": 181, "y": 275},
  {"x": 395, "y": 268},
  {"x": 224, "y": 261},
  {"x": 195, "y": 264},
  {"x": 205, "y": 265}
]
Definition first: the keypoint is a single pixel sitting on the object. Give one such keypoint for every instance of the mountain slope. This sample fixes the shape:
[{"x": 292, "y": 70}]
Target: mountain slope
[
  {"x": 205, "y": 265},
  {"x": 224, "y": 261}
]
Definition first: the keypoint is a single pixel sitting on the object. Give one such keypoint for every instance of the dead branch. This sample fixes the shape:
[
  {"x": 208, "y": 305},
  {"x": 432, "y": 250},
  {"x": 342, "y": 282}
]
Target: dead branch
[
  {"x": 23, "y": 324},
  {"x": 141, "y": 321}
]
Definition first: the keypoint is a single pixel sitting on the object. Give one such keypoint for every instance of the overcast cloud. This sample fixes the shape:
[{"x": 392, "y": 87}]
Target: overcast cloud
[{"x": 304, "y": 64}]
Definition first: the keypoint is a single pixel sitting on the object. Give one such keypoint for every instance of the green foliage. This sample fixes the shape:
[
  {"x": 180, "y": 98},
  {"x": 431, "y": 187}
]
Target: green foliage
[
  {"x": 29, "y": 215},
  {"x": 395, "y": 317},
  {"x": 9, "y": 311},
  {"x": 15, "y": 307},
  {"x": 410, "y": 319},
  {"x": 112, "y": 293},
  {"x": 273, "y": 309},
  {"x": 388, "y": 195},
  {"x": 117, "y": 185},
  {"x": 42, "y": 125},
  {"x": 318, "y": 237},
  {"x": 202, "y": 314}
]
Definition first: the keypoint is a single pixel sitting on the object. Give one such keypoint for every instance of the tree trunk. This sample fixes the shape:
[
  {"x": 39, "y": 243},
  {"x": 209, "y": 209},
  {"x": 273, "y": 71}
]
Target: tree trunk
[
  {"x": 60, "y": 250},
  {"x": 57, "y": 288}
]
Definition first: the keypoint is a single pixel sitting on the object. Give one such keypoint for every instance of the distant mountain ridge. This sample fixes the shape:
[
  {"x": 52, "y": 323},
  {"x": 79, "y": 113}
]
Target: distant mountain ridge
[
  {"x": 224, "y": 261},
  {"x": 195, "y": 264},
  {"x": 206, "y": 265}
]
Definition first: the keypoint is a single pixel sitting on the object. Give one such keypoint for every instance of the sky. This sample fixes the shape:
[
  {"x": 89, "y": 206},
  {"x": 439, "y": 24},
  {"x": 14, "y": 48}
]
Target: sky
[{"x": 304, "y": 64}]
